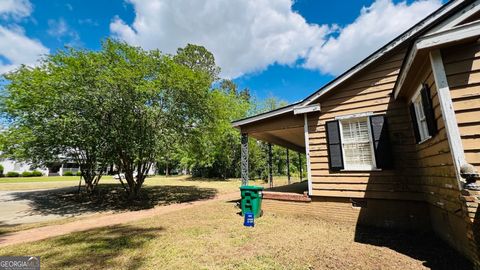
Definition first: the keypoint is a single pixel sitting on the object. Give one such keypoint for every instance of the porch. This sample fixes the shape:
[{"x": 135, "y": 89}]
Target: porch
[
  {"x": 296, "y": 192},
  {"x": 286, "y": 127}
]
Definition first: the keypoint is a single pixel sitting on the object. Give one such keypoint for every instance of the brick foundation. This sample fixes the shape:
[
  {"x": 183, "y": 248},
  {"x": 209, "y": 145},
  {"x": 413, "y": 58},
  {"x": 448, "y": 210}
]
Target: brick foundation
[{"x": 471, "y": 209}]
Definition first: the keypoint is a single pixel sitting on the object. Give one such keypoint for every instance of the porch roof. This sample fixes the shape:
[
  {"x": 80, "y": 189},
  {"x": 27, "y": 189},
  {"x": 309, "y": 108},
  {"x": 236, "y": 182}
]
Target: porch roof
[{"x": 280, "y": 127}]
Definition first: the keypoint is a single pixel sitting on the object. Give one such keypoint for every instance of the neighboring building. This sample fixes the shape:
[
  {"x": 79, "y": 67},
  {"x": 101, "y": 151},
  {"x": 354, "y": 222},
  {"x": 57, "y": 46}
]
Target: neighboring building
[
  {"x": 387, "y": 140},
  {"x": 10, "y": 165},
  {"x": 68, "y": 166},
  {"x": 19, "y": 167}
]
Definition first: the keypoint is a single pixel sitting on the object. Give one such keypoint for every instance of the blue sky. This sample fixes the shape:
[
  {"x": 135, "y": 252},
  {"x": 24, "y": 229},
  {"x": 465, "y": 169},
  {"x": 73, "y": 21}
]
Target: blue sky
[{"x": 283, "y": 48}]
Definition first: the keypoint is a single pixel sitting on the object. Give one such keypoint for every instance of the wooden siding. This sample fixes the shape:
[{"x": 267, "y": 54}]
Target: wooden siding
[
  {"x": 367, "y": 92},
  {"x": 422, "y": 172},
  {"x": 462, "y": 67},
  {"x": 434, "y": 160}
]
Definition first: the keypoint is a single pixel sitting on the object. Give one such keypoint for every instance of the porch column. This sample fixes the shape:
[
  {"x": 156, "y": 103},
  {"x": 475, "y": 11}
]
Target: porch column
[
  {"x": 448, "y": 113},
  {"x": 244, "y": 159},
  {"x": 270, "y": 165},
  {"x": 300, "y": 164},
  {"x": 288, "y": 167}
]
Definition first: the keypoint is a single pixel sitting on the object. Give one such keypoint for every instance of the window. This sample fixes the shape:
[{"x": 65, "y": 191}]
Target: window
[
  {"x": 423, "y": 115},
  {"x": 421, "y": 118},
  {"x": 357, "y": 144}
]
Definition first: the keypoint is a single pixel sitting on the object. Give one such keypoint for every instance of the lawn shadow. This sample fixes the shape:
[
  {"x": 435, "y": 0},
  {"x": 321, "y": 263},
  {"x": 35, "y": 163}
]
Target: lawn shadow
[
  {"x": 99, "y": 248},
  {"x": 422, "y": 246},
  {"x": 109, "y": 197}
]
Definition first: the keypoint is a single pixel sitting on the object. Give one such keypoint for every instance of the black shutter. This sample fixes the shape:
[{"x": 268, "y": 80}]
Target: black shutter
[
  {"x": 334, "y": 142},
  {"x": 415, "y": 123},
  {"x": 381, "y": 142},
  {"x": 428, "y": 110}
]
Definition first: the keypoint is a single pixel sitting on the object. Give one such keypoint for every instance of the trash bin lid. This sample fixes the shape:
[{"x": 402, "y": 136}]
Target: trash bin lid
[{"x": 251, "y": 188}]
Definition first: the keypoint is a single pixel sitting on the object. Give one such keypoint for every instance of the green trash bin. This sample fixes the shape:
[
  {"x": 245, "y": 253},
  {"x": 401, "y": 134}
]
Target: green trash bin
[{"x": 251, "y": 200}]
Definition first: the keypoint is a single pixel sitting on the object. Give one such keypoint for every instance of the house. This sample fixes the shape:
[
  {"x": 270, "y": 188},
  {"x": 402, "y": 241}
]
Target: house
[
  {"x": 54, "y": 169},
  {"x": 392, "y": 141},
  {"x": 10, "y": 165}
]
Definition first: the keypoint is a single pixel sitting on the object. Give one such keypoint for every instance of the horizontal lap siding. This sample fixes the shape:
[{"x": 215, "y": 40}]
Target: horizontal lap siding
[
  {"x": 369, "y": 92},
  {"x": 422, "y": 172},
  {"x": 462, "y": 67},
  {"x": 431, "y": 164}
]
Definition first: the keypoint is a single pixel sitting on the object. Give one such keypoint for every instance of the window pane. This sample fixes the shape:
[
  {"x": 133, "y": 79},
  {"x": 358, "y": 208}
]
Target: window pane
[
  {"x": 421, "y": 119},
  {"x": 356, "y": 144}
]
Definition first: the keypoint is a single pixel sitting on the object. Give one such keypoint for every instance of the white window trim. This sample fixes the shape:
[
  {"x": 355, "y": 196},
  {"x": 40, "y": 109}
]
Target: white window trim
[
  {"x": 351, "y": 116},
  {"x": 419, "y": 127},
  {"x": 370, "y": 137}
]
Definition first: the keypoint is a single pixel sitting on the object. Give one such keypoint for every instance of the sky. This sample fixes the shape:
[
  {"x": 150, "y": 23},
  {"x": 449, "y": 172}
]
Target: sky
[{"x": 282, "y": 48}]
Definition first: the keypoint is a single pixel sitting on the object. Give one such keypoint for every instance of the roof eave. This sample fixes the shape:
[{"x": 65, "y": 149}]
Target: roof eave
[
  {"x": 263, "y": 116},
  {"x": 401, "y": 39},
  {"x": 434, "y": 41}
]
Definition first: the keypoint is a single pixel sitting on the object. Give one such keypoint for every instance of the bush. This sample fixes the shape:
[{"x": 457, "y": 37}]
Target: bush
[
  {"x": 13, "y": 174},
  {"x": 37, "y": 173},
  {"x": 27, "y": 174},
  {"x": 79, "y": 173},
  {"x": 1, "y": 170},
  {"x": 68, "y": 173}
]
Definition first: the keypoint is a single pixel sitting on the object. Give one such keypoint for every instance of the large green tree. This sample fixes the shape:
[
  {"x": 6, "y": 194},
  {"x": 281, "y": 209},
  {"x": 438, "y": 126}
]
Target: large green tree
[
  {"x": 156, "y": 103},
  {"x": 55, "y": 112},
  {"x": 121, "y": 105}
]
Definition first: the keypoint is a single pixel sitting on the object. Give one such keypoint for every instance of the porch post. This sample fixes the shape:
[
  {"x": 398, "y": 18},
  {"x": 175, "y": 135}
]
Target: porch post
[
  {"x": 244, "y": 159},
  {"x": 288, "y": 167},
  {"x": 448, "y": 113},
  {"x": 300, "y": 165},
  {"x": 270, "y": 165}
]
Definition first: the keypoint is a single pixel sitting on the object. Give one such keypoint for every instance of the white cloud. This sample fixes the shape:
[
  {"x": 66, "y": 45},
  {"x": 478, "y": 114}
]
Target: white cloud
[
  {"x": 244, "y": 35},
  {"x": 18, "y": 49},
  {"x": 57, "y": 28},
  {"x": 15, "y": 9},
  {"x": 63, "y": 32},
  {"x": 15, "y": 47},
  {"x": 248, "y": 35},
  {"x": 376, "y": 25}
]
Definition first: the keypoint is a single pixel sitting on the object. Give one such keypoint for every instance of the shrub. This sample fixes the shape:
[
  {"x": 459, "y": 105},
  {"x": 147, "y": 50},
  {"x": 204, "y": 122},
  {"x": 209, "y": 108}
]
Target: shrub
[
  {"x": 79, "y": 173},
  {"x": 1, "y": 170},
  {"x": 27, "y": 174},
  {"x": 13, "y": 174},
  {"x": 68, "y": 173},
  {"x": 37, "y": 173}
]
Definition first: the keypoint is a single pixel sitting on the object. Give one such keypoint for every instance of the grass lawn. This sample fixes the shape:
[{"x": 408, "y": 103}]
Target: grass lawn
[
  {"x": 51, "y": 197},
  {"x": 32, "y": 183},
  {"x": 211, "y": 236},
  {"x": 37, "y": 179}
]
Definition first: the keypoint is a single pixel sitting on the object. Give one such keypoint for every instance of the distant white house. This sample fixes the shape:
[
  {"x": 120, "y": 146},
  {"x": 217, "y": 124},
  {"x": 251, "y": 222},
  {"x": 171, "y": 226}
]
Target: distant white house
[
  {"x": 10, "y": 165},
  {"x": 59, "y": 168}
]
